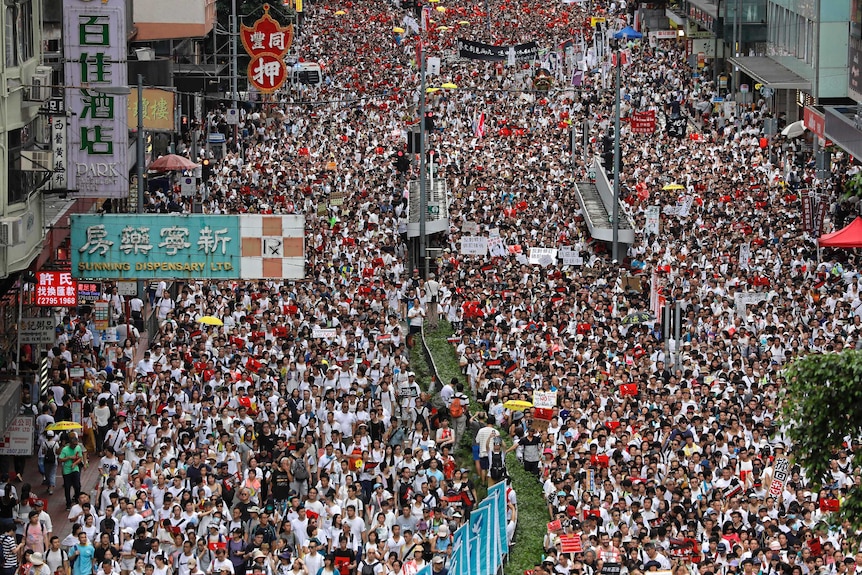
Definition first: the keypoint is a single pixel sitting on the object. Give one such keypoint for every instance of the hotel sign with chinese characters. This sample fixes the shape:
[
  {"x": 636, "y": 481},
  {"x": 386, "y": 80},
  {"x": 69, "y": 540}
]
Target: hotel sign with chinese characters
[
  {"x": 267, "y": 42},
  {"x": 98, "y": 138},
  {"x": 127, "y": 247}
]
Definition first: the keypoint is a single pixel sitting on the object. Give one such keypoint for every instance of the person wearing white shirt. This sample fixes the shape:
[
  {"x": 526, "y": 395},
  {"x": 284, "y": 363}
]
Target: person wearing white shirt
[{"x": 145, "y": 366}]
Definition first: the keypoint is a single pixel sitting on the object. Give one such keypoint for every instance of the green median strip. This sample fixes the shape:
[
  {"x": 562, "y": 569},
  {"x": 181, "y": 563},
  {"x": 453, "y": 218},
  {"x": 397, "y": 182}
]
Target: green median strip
[{"x": 532, "y": 507}]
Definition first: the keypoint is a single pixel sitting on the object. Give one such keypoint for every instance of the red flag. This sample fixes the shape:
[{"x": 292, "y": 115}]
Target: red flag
[
  {"x": 480, "y": 126},
  {"x": 555, "y": 525},
  {"x": 629, "y": 389},
  {"x": 829, "y": 505}
]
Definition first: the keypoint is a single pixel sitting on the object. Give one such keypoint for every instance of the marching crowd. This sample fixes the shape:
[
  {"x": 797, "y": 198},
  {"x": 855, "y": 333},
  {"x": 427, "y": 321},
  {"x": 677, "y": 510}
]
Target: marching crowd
[{"x": 296, "y": 439}]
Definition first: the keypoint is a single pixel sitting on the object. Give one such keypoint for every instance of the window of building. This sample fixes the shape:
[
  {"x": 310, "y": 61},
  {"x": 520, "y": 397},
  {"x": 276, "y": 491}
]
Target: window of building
[
  {"x": 21, "y": 183},
  {"x": 19, "y": 32}
]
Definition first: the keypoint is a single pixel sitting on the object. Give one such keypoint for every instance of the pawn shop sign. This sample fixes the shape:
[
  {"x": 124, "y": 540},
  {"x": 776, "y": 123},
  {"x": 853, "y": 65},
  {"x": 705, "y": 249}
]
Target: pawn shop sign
[
  {"x": 267, "y": 36},
  {"x": 267, "y": 42}
]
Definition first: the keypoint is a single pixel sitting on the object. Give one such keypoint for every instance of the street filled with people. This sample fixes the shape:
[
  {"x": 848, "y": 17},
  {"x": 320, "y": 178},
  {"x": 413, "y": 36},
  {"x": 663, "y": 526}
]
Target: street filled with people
[{"x": 296, "y": 438}]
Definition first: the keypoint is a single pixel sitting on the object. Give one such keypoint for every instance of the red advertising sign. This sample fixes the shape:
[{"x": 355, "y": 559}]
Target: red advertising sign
[
  {"x": 643, "y": 122},
  {"x": 267, "y": 42},
  {"x": 815, "y": 121},
  {"x": 56, "y": 289}
]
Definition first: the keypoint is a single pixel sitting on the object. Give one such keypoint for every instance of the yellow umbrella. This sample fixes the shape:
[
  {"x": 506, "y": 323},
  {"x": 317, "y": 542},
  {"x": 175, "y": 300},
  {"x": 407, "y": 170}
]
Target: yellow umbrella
[
  {"x": 440, "y": 8},
  {"x": 442, "y": 28},
  {"x": 431, "y": 90},
  {"x": 673, "y": 187},
  {"x": 210, "y": 320},
  {"x": 449, "y": 86},
  {"x": 398, "y": 30},
  {"x": 340, "y": 13},
  {"x": 64, "y": 426},
  {"x": 517, "y": 405},
  {"x": 464, "y": 22}
]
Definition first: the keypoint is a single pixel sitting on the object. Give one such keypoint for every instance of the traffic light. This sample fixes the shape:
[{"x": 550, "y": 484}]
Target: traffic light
[
  {"x": 429, "y": 120},
  {"x": 206, "y": 169},
  {"x": 402, "y": 162}
]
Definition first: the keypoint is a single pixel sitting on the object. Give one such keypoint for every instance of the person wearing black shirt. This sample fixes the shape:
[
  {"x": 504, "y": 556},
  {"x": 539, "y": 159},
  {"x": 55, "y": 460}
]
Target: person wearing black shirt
[
  {"x": 142, "y": 543},
  {"x": 344, "y": 556},
  {"x": 104, "y": 546},
  {"x": 281, "y": 480},
  {"x": 376, "y": 428},
  {"x": 193, "y": 471}
]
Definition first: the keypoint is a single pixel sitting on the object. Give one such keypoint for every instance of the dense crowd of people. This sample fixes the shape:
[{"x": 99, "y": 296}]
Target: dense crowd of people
[{"x": 262, "y": 447}]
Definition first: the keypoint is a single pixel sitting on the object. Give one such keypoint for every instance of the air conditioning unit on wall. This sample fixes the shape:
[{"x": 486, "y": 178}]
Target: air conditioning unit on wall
[{"x": 12, "y": 231}]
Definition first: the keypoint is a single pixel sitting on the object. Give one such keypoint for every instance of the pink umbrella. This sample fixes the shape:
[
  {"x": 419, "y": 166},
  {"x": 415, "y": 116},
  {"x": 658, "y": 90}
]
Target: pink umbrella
[{"x": 172, "y": 163}]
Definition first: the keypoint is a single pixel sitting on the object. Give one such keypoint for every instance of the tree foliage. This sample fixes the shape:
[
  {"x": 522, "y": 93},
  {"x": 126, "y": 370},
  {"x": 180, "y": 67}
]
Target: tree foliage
[{"x": 822, "y": 407}]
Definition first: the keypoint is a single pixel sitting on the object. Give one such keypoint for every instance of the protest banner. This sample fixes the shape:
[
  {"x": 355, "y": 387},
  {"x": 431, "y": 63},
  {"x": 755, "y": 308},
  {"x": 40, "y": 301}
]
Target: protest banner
[
  {"x": 474, "y": 246},
  {"x": 543, "y": 256}
]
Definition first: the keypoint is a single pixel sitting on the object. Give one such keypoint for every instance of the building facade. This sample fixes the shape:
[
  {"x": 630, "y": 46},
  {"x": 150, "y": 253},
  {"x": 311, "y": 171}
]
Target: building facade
[{"x": 24, "y": 164}]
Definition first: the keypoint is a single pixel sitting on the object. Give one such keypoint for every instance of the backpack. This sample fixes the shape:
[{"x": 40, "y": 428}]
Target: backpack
[
  {"x": 498, "y": 469},
  {"x": 456, "y": 409},
  {"x": 300, "y": 471},
  {"x": 50, "y": 456},
  {"x": 368, "y": 569}
]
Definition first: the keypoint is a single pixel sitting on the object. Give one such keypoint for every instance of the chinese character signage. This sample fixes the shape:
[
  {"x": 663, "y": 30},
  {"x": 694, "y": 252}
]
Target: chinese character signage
[
  {"x": 98, "y": 138},
  {"x": 267, "y": 42},
  {"x": 125, "y": 247},
  {"x": 56, "y": 289},
  {"x": 159, "y": 110},
  {"x": 58, "y": 147}
]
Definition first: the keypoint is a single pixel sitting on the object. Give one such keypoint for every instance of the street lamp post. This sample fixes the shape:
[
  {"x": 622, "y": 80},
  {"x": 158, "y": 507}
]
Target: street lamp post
[
  {"x": 139, "y": 148},
  {"x": 423, "y": 198},
  {"x": 616, "y": 207}
]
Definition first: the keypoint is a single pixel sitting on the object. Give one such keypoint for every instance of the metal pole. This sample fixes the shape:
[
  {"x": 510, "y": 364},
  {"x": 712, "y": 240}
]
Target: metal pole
[
  {"x": 737, "y": 41},
  {"x": 666, "y": 329},
  {"x": 718, "y": 19},
  {"x": 139, "y": 145},
  {"x": 20, "y": 320},
  {"x": 488, "y": 16},
  {"x": 677, "y": 333},
  {"x": 815, "y": 146},
  {"x": 616, "y": 209},
  {"x": 423, "y": 192},
  {"x": 233, "y": 47}
]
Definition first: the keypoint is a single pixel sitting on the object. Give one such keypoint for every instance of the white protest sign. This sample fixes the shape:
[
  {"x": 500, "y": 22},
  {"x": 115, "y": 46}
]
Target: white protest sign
[
  {"x": 742, "y": 299},
  {"x": 651, "y": 224},
  {"x": 474, "y": 246},
  {"x": 544, "y": 399},
  {"x": 522, "y": 259},
  {"x": 323, "y": 333},
  {"x": 433, "y": 65},
  {"x": 744, "y": 256},
  {"x": 570, "y": 257},
  {"x": 496, "y": 248},
  {"x": 685, "y": 206},
  {"x": 543, "y": 256},
  {"x": 470, "y": 228}
]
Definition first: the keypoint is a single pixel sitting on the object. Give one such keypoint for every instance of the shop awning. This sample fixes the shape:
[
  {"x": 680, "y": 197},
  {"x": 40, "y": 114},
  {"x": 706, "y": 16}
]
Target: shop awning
[{"x": 771, "y": 73}]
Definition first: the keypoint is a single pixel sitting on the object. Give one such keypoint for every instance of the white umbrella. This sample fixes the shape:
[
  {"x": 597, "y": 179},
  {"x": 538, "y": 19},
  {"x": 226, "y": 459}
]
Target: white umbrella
[{"x": 794, "y": 130}]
